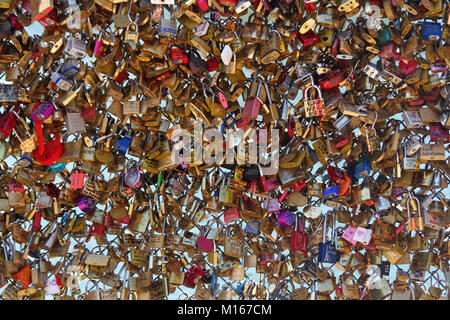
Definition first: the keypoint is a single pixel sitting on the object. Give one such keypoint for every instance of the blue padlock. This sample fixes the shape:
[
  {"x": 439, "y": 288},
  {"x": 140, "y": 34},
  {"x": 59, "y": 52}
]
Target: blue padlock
[
  {"x": 327, "y": 252},
  {"x": 214, "y": 15},
  {"x": 69, "y": 69},
  {"x": 64, "y": 218},
  {"x": 227, "y": 123},
  {"x": 213, "y": 279},
  {"x": 123, "y": 144},
  {"x": 252, "y": 227},
  {"x": 431, "y": 31},
  {"x": 327, "y": 249},
  {"x": 362, "y": 167},
  {"x": 330, "y": 192}
]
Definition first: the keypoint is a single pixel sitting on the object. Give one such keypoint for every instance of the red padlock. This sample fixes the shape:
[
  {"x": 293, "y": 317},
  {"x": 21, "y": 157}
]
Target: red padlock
[
  {"x": 389, "y": 50},
  {"x": 343, "y": 140},
  {"x": 335, "y": 174},
  {"x": 408, "y": 66},
  {"x": 49, "y": 19},
  {"x": 262, "y": 184},
  {"x": 77, "y": 180},
  {"x": 121, "y": 77},
  {"x": 335, "y": 47},
  {"x": 212, "y": 64},
  {"x": 58, "y": 280},
  {"x": 299, "y": 240},
  {"x": 400, "y": 228},
  {"x": 15, "y": 22},
  {"x": 14, "y": 186},
  {"x": 204, "y": 243},
  {"x": 310, "y": 6},
  {"x": 345, "y": 185},
  {"x": 227, "y": 3},
  {"x": 282, "y": 77},
  {"x": 193, "y": 276},
  {"x": 333, "y": 78},
  {"x": 178, "y": 56},
  {"x": 53, "y": 150},
  {"x": 231, "y": 215},
  {"x": 432, "y": 96},
  {"x": 7, "y": 123},
  {"x": 371, "y": 246},
  {"x": 97, "y": 229},
  {"x": 89, "y": 113},
  {"x": 52, "y": 190},
  {"x": 37, "y": 221},
  {"x": 438, "y": 133},
  {"x": 298, "y": 185},
  {"x": 203, "y": 5},
  {"x": 290, "y": 128},
  {"x": 23, "y": 277},
  {"x": 419, "y": 101},
  {"x": 124, "y": 220}
]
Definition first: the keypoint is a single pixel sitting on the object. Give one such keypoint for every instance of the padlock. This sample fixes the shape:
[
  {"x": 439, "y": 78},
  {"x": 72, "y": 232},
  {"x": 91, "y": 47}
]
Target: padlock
[
  {"x": 415, "y": 223},
  {"x": 167, "y": 28},
  {"x": 431, "y": 31},
  {"x": 271, "y": 49},
  {"x": 313, "y": 107},
  {"x": 100, "y": 47},
  {"x": 327, "y": 250},
  {"x": 252, "y": 106},
  {"x": 299, "y": 240}
]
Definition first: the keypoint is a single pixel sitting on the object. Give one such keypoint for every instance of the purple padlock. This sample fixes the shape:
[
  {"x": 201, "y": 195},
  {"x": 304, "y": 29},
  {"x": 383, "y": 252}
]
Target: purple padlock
[
  {"x": 133, "y": 178},
  {"x": 43, "y": 111},
  {"x": 285, "y": 218},
  {"x": 86, "y": 204}
]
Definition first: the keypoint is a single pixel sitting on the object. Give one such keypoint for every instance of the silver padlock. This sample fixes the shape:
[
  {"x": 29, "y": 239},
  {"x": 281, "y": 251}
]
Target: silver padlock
[
  {"x": 372, "y": 71},
  {"x": 168, "y": 28},
  {"x": 132, "y": 37},
  {"x": 413, "y": 145},
  {"x": 412, "y": 119},
  {"x": 61, "y": 81},
  {"x": 75, "y": 48}
]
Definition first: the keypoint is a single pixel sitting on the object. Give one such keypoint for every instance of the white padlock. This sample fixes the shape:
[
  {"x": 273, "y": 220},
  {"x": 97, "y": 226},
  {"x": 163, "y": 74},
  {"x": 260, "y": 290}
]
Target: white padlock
[{"x": 226, "y": 55}]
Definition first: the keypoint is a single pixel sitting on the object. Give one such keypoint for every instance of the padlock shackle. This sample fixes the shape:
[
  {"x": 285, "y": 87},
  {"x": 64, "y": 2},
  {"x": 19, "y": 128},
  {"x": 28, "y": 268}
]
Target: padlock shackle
[{"x": 315, "y": 87}]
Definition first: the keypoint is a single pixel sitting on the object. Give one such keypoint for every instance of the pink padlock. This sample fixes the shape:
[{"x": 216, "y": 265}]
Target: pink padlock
[
  {"x": 362, "y": 235},
  {"x": 271, "y": 205},
  {"x": 223, "y": 100},
  {"x": 272, "y": 184},
  {"x": 100, "y": 47},
  {"x": 349, "y": 233}
]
